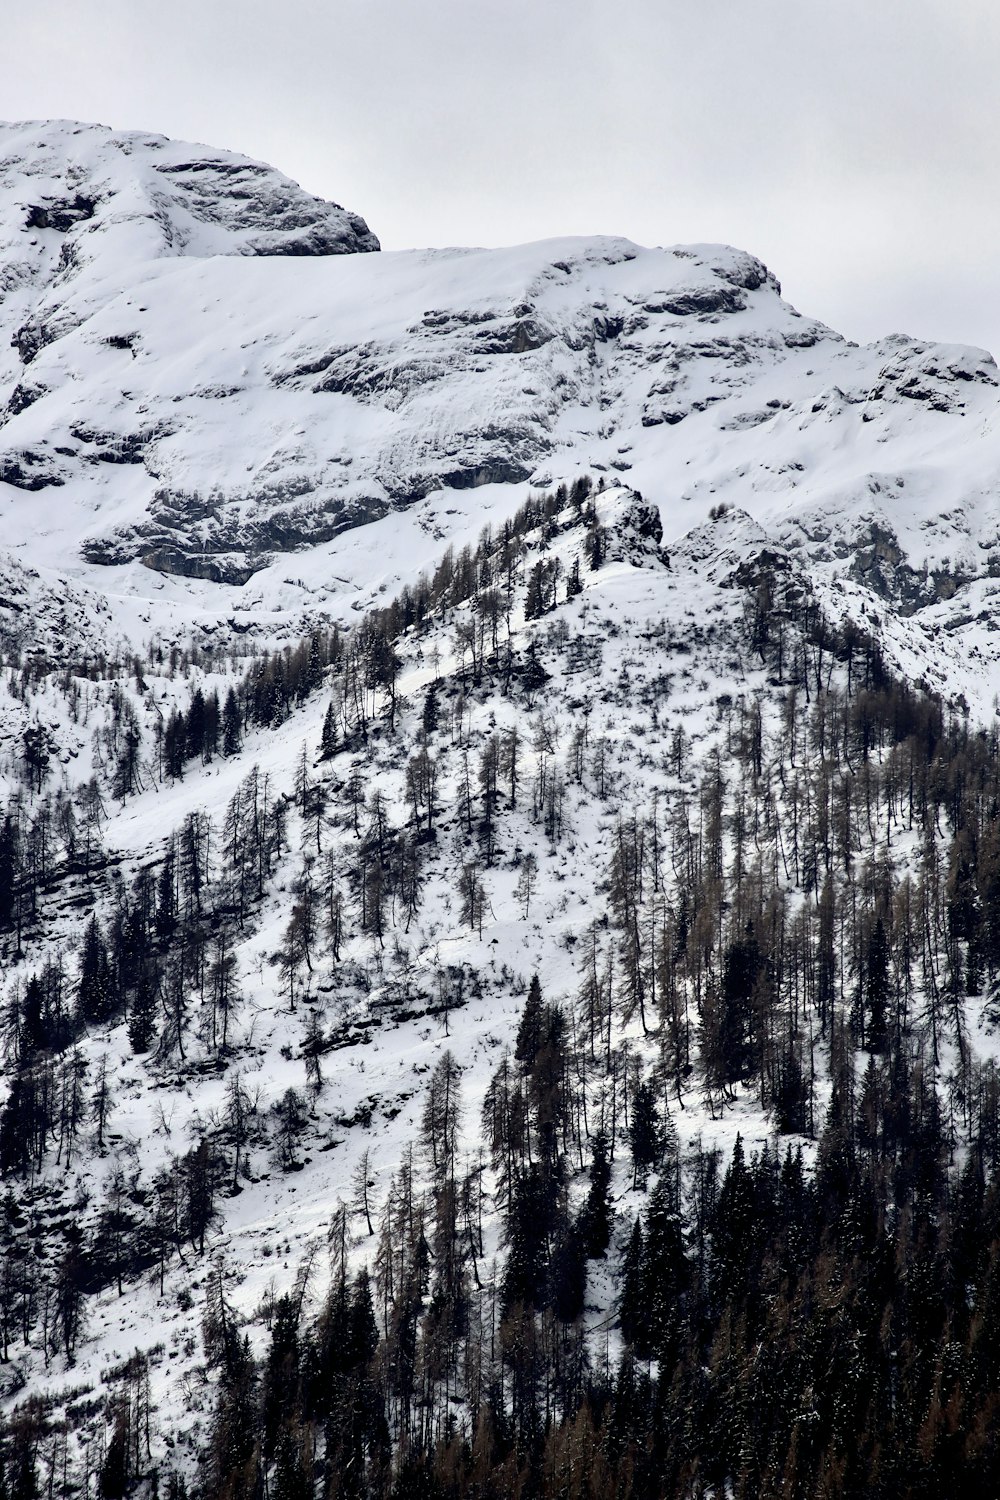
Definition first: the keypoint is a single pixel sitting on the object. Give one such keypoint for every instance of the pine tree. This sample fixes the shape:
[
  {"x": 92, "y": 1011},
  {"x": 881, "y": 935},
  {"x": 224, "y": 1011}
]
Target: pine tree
[
  {"x": 233, "y": 1455},
  {"x": 596, "y": 1218},
  {"x": 534, "y": 600},
  {"x": 195, "y": 725},
  {"x": 142, "y": 1015},
  {"x": 36, "y": 756},
  {"x": 127, "y": 778},
  {"x": 280, "y": 1384},
  {"x": 93, "y": 995},
  {"x": 33, "y": 1030},
  {"x": 232, "y": 725},
  {"x": 596, "y": 546},
  {"x": 8, "y": 871},
  {"x": 174, "y": 747},
  {"x": 527, "y": 1234},
  {"x": 292, "y": 1479},
  {"x": 644, "y": 1132},
  {"x": 877, "y": 989},
  {"x": 115, "y": 1474},
  {"x": 634, "y": 1311},
  {"x": 529, "y": 1031},
  {"x": 328, "y": 735}
]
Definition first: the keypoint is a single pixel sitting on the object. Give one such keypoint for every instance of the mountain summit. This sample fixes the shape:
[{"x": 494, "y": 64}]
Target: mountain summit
[
  {"x": 83, "y": 207},
  {"x": 198, "y": 359},
  {"x": 499, "y": 862}
]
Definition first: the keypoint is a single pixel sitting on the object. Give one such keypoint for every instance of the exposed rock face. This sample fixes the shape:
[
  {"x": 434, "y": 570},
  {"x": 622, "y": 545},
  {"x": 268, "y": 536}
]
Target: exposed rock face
[
  {"x": 634, "y": 527},
  {"x": 82, "y": 205},
  {"x": 29, "y": 470},
  {"x": 41, "y": 615},
  {"x": 934, "y": 374},
  {"x": 198, "y": 374}
]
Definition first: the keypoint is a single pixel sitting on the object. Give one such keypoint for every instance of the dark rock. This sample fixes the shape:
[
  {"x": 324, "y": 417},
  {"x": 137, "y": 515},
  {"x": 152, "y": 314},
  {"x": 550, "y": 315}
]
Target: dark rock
[
  {"x": 789, "y": 587},
  {"x": 495, "y": 471},
  {"x": 30, "y": 338},
  {"x": 656, "y": 418},
  {"x": 447, "y": 322},
  {"x": 936, "y": 375},
  {"x": 22, "y": 396},
  {"x": 608, "y": 328},
  {"x": 713, "y": 297},
  {"x": 245, "y": 195},
  {"x": 28, "y": 470},
  {"x": 117, "y": 447},
  {"x": 635, "y": 532},
  {"x": 61, "y": 215},
  {"x": 801, "y": 338},
  {"x": 215, "y": 567},
  {"x": 514, "y": 338},
  {"x": 748, "y": 272}
]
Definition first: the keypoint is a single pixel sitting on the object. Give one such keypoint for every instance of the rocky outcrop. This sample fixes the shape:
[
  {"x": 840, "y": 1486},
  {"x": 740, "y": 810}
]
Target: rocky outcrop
[
  {"x": 82, "y": 207},
  {"x": 698, "y": 301},
  {"x": 935, "y": 375},
  {"x": 62, "y": 215},
  {"x": 634, "y": 528},
  {"x": 172, "y": 396},
  {"x": 29, "y": 470}
]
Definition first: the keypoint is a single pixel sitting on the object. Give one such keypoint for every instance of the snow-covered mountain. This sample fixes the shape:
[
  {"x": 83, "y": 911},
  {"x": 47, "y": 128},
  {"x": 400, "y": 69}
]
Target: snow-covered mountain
[
  {"x": 595, "y": 551},
  {"x": 200, "y": 380}
]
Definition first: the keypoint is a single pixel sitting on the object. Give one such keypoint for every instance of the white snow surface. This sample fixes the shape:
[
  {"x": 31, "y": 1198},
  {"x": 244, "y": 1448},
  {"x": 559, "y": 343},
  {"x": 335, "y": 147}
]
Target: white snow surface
[
  {"x": 221, "y": 427},
  {"x": 195, "y": 395}
]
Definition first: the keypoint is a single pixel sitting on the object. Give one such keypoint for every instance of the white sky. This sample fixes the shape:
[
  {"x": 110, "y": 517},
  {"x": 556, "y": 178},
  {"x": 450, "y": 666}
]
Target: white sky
[{"x": 853, "y": 144}]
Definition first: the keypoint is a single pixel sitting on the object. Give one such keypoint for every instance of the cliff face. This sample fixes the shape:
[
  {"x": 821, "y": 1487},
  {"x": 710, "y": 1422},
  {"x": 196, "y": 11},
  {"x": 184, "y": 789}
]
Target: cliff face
[
  {"x": 83, "y": 208},
  {"x": 201, "y": 377},
  {"x": 377, "y": 632}
]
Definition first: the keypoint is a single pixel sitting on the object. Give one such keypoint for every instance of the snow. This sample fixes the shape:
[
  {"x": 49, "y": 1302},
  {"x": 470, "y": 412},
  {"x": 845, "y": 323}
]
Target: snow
[
  {"x": 279, "y": 1220},
  {"x": 272, "y": 401},
  {"x": 322, "y": 402}
]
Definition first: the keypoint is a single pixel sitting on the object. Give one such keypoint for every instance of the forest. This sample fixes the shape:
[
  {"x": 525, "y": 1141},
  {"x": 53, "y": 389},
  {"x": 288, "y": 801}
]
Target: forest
[{"x": 561, "y": 1288}]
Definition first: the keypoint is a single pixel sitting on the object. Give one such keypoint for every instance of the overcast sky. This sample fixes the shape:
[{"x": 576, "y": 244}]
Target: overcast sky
[{"x": 853, "y": 144}]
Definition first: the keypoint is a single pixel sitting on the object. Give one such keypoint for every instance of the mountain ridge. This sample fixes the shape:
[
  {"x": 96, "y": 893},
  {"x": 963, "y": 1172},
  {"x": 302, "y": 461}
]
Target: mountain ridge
[
  {"x": 498, "y": 869},
  {"x": 214, "y": 417}
]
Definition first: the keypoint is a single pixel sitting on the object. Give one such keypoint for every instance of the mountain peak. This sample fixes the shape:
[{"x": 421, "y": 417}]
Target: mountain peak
[
  {"x": 78, "y": 181},
  {"x": 83, "y": 206}
]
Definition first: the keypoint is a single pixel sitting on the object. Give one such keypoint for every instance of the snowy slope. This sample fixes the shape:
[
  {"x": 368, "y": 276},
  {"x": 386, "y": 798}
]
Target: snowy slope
[
  {"x": 221, "y": 427},
  {"x": 638, "y": 628},
  {"x": 198, "y": 384}
]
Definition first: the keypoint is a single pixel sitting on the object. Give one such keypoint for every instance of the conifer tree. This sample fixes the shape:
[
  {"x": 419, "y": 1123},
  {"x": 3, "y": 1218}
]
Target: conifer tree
[
  {"x": 232, "y": 725},
  {"x": 596, "y": 1217}
]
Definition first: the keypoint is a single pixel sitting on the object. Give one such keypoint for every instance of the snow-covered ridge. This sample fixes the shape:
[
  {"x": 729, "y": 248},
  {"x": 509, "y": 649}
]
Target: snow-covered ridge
[
  {"x": 82, "y": 207},
  {"x": 198, "y": 384},
  {"x": 369, "y": 841}
]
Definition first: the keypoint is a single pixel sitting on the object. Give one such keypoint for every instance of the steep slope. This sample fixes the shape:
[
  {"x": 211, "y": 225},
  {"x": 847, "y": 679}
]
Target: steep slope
[
  {"x": 322, "y": 732},
  {"x": 82, "y": 208},
  {"x": 200, "y": 382}
]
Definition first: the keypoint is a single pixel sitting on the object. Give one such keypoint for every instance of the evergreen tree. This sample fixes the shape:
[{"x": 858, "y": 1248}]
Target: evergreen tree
[
  {"x": 8, "y": 871},
  {"x": 644, "y": 1132},
  {"x": 233, "y": 1454},
  {"x": 534, "y": 600},
  {"x": 596, "y": 546},
  {"x": 142, "y": 1015},
  {"x": 94, "y": 989},
  {"x": 634, "y": 1311},
  {"x": 596, "y": 1218},
  {"x": 328, "y": 735},
  {"x": 877, "y": 988},
  {"x": 232, "y": 725},
  {"x": 529, "y": 1031}
]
